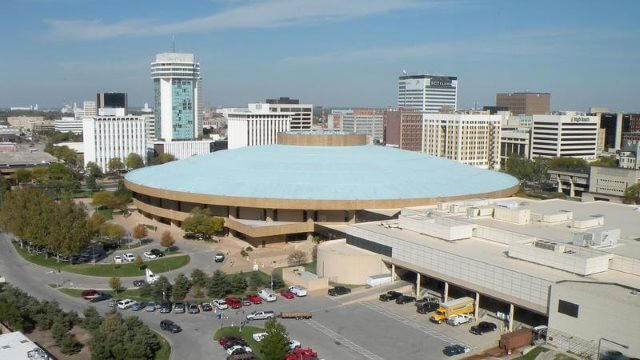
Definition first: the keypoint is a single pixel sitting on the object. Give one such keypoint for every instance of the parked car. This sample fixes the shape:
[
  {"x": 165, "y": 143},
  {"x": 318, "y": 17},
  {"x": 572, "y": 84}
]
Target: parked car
[
  {"x": 125, "y": 304},
  {"x": 427, "y": 299},
  {"x": 193, "y": 308},
  {"x": 235, "y": 342},
  {"x": 101, "y": 297},
  {"x": 459, "y": 319},
  {"x": 227, "y": 339},
  {"x": 339, "y": 290},
  {"x": 112, "y": 303},
  {"x": 294, "y": 344},
  {"x": 220, "y": 304},
  {"x": 219, "y": 257},
  {"x": 137, "y": 306},
  {"x": 118, "y": 259},
  {"x": 390, "y": 295},
  {"x": 260, "y": 315},
  {"x": 483, "y": 327},
  {"x": 403, "y": 299},
  {"x": 151, "y": 307},
  {"x": 300, "y": 353},
  {"x": 267, "y": 295},
  {"x": 89, "y": 294},
  {"x": 129, "y": 257},
  {"x": 166, "y": 307},
  {"x": 149, "y": 255},
  {"x": 287, "y": 294},
  {"x": 157, "y": 252},
  {"x": 238, "y": 349},
  {"x": 427, "y": 307},
  {"x": 245, "y": 302},
  {"x": 298, "y": 290},
  {"x": 255, "y": 299},
  {"x": 179, "y": 308},
  {"x": 206, "y": 306},
  {"x": 170, "y": 326},
  {"x": 138, "y": 283},
  {"x": 452, "y": 350},
  {"x": 233, "y": 302}
]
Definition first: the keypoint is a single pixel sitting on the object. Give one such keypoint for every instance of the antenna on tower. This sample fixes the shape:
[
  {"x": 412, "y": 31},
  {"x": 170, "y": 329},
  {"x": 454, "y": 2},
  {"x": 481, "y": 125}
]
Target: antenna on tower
[{"x": 173, "y": 41}]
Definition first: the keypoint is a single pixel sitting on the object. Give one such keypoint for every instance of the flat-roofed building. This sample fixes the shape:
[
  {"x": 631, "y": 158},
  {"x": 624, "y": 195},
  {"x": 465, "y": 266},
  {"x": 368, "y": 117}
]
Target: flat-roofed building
[
  {"x": 428, "y": 93},
  {"x": 255, "y": 125},
  {"x": 565, "y": 135},
  {"x": 524, "y": 103},
  {"x": 301, "y": 114},
  {"x": 514, "y": 141},
  {"x": 68, "y": 124},
  {"x": 16, "y": 346},
  {"x": 364, "y": 121},
  {"x": 108, "y": 137}
]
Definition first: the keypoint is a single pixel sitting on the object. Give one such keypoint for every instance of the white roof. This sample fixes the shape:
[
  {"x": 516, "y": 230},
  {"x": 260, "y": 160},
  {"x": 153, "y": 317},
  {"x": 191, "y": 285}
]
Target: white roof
[{"x": 15, "y": 346}]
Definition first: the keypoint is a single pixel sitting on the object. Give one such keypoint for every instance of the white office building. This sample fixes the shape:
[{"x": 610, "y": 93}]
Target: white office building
[
  {"x": 255, "y": 125},
  {"x": 567, "y": 135},
  {"x": 428, "y": 93},
  {"x": 183, "y": 149},
  {"x": 301, "y": 114},
  {"x": 68, "y": 124},
  {"x": 177, "y": 109},
  {"x": 89, "y": 109},
  {"x": 107, "y": 137},
  {"x": 369, "y": 122},
  {"x": 150, "y": 125},
  {"x": 471, "y": 139}
]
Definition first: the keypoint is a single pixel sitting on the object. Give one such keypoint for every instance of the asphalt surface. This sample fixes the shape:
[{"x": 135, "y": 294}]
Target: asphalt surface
[{"x": 342, "y": 328}]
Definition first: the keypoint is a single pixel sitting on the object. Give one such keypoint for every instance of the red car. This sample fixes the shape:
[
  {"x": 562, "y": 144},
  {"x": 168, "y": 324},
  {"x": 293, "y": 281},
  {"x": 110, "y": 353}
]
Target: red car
[
  {"x": 301, "y": 354},
  {"x": 287, "y": 294},
  {"x": 225, "y": 339},
  {"x": 233, "y": 302},
  {"x": 89, "y": 294},
  {"x": 255, "y": 299}
]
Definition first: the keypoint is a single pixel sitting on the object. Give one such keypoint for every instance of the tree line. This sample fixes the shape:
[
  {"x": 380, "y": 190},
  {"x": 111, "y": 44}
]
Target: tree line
[{"x": 202, "y": 222}]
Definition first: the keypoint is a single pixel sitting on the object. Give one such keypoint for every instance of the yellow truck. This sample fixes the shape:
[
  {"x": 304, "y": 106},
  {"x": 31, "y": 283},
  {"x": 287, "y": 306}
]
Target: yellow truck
[{"x": 451, "y": 308}]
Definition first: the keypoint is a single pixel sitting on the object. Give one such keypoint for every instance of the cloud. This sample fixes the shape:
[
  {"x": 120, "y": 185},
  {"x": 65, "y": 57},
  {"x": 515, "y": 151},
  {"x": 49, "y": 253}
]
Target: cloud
[{"x": 254, "y": 14}]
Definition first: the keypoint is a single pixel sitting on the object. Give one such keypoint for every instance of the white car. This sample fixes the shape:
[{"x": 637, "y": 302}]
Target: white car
[
  {"x": 294, "y": 344},
  {"x": 125, "y": 303},
  {"x": 232, "y": 349},
  {"x": 298, "y": 290},
  {"x": 259, "y": 336},
  {"x": 220, "y": 304},
  {"x": 459, "y": 319},
  {"x": 149, "y": 255},
  {"x": 129, "y": 257},
  {"x": 117, "y": 259},
  {"x": 267, "y": 295}
]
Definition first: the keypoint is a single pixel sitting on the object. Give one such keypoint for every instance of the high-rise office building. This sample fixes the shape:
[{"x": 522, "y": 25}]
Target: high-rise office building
[
  {"x": 524, "y": 103},
  {"x": 466, "y": 138},
  {"x": 428, "y": 93},
  {"x": 364, "y": 121},
  {"x": 569, "y": 134},
  {"x": 108, "y": 137},
  {"x": 302, "y": 114},
  {"x": 176, "y": 80},
  {"x": 112, "y": 100},
  {"x": 255, "y": 125}
]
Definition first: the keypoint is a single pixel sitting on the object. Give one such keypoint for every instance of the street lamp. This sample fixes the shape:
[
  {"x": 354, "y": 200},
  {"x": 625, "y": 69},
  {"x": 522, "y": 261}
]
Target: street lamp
[{"x": 611, "y": 341}]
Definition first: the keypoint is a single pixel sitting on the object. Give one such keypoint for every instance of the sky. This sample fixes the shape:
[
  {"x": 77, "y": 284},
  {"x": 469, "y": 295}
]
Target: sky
[{"x": 335, "y": 53}]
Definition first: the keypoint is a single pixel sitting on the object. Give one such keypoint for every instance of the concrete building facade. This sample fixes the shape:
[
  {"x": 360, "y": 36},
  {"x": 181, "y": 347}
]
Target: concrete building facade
[
  {"x": 469, "y": 139},
  {"x": 68, "y": 124},
  {"x": 364, "y": 121},
  {"x": 568, "y": 135},
  {"x": 514, "y": 141},
  {"x": 428, "y": 93},
  {"x": 177, "y": 91},
  {"x": 301, "y": 114},
  {"x": 107, "y": 137},
  {"x": 630, "y": 155},
  {"x": 255, "y": 125},
  {"x": 183, "y": 149},
  {"x": 525, "y": 103},
  {"x": 612, "y": 181}
]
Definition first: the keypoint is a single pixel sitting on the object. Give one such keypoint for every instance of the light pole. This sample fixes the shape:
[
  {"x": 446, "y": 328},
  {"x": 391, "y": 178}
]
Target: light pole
[{"x": 611, "y": 341}]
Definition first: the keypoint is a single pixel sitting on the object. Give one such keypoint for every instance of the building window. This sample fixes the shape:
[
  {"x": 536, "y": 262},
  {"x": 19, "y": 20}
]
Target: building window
[{"x": 567, "y": 308}]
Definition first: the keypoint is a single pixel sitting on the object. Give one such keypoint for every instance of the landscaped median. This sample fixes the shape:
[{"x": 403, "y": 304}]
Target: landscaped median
[{"x": 168, "y": 263}]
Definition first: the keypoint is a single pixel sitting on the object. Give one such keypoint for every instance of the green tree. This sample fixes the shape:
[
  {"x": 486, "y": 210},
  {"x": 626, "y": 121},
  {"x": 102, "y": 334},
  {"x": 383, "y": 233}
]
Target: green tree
[
  {"x": 238, "y": 283},
  {"x": 255, "y": 281},
  {"x": 92, "y": 319},
  {"x": 69, "y": 233},
  {"x": 198, "y": 278},
  {"x": 275, "y": 344},
  {"x": 297, "y": 257},
  {"x": 113, "y": 232},
  {"x": 91, "y": 183},
  {"x": 164, "y": 158},
  {"x": 94, "y": 170},
  {"x": 115, "y": 165},
  {"x": 181, "y": 287},
  {"x": 70, "y": 345},
  {"x": 59, "y": 330},
  {"x": 134, "y": 161},
  {"x": 278, "y": 283},
  {"x": 23, "y": 176},
  {"x": 139, "y": 262},
  {"x": 94, "y": 223},
  {"x": 605, "y": 161},
  {"x": 10, "y": 314},
  {"x": 161, "y": 289},
  {"x": 202, "y": 222},
  {"x": 115, "y": 284},
  {"x": 101, "y": 199},
  {"x": 218, "y": 285},
  {"x": 632, "y": 194}
]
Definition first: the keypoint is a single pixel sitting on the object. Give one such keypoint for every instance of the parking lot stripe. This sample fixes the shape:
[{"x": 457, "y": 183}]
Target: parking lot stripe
[
  {"x": 410, "y": 322},
  {"x": 342, "y": 340}
]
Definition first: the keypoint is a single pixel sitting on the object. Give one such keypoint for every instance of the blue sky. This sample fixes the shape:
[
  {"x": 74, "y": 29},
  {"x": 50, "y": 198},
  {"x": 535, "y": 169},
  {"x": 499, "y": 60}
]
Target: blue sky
[{"x": 327, "y": 52}]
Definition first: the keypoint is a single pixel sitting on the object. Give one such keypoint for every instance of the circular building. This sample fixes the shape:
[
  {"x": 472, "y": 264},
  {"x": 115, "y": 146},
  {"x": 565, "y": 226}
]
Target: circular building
[{"x": 279, "y": 192}]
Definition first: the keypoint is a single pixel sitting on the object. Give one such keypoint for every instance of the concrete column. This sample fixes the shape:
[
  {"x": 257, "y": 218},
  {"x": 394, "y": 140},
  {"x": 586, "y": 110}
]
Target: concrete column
[
  {"x": 310, "y": 215},
  {"x": 572, "y": 188},
  {"x": 352, "y": 216},
  {"x": 232, "y": 212},
  {"x": 418, "y": 279},
  {"x": 511, "y": 311},
  {"x": 445, "y": 293},
  {"x": 269, "y": 217},
  {"x": 477, "y": 307},
  {"x": 393, "y": 273},
  {"x": 559, "y": 183}
]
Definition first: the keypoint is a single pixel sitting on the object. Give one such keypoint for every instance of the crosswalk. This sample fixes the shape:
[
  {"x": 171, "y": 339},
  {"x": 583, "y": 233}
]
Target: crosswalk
[{"x": 342, "y": 340}]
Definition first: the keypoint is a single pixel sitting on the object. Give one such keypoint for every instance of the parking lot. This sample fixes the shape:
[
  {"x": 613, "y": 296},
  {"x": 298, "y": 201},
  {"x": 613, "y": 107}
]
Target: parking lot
[{"x": 341, "y": 328}]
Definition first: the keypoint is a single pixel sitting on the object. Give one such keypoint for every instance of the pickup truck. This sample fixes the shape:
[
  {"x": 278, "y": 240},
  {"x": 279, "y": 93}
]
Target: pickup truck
[
  {"x": 459, "y": 319},
  {"x": 298, "y": 315},
  {"x": 260, "y": 315}
]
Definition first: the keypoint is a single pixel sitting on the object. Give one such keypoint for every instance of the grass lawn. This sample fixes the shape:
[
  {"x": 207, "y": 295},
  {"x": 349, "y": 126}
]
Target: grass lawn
[
  {"x": 310, "y": 267},
  {"x": 107, "y": 213},
  {"x": 165, "y": 349},
  {"x": 531, "y": 355},
  {"x": 164, "y": 264},
  {"x": 246, "y": 335}
]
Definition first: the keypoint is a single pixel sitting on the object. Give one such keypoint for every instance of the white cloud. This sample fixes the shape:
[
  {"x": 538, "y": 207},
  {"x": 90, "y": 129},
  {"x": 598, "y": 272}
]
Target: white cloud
[{"x": 255, "y": 14}]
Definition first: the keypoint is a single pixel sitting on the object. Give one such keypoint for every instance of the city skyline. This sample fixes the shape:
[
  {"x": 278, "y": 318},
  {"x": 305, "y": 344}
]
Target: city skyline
[{"x": 329, "y": 54}]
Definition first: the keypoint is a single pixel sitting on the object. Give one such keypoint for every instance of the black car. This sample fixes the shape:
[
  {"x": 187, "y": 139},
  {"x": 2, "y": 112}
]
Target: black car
[
  {"x": 234, "y": 342},
  {"x": 166, "y": 307},
  {"x": 170, "y": 326},
  {"x": 403, "y": 299},
  {"x": 339, "y": 290},
  {"x": 156, "y": 252},
  {"x": 427, "y": 299},
  {"x": 206, "y": 306},
  {"x": 102, "y": 296},
  {"x": 483, "y": 327},
  {"x": 179, "y": 308},
  {"x": 452, "y": 350},
  {"x": 138, "y": 283},
  {"x": 427, "y": 307},
  {"x": 390, "y": 295}
]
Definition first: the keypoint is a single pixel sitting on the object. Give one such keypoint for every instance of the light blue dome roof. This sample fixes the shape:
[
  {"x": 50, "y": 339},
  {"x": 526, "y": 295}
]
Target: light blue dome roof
[{"x": 321, "y": 173}]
